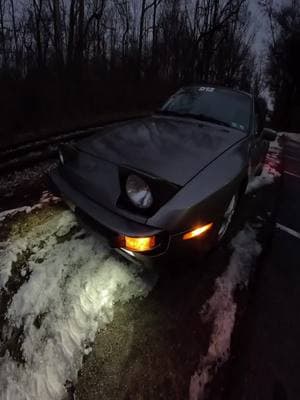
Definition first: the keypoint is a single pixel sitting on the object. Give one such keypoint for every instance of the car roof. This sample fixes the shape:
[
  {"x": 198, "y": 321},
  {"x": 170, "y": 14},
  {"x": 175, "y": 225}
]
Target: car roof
[{"x": 194, "y": 86}]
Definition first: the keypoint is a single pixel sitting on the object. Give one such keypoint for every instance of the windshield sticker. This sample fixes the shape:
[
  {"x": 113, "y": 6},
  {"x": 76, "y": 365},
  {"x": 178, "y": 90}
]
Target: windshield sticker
[
  {"x": 237, "y": 126},
  {"x": 206, "y": 89}
]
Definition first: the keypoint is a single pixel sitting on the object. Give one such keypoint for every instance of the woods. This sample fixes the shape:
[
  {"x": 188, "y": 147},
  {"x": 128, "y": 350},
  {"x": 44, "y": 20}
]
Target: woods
[
  {"x": 283, "y": 64},
  {"x": 65, "y": 61}
]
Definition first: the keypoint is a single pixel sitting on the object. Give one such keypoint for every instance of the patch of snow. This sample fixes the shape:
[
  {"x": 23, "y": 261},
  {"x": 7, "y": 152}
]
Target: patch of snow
[
  {"x": 14, "y": 246},
  {"x": 293, "y": 136},
  {"x": 275, "y": 145},
  {"x": 87, "y": 350},
  {"x": 45, "y": 199},
  {"x": 271, "y": 168},
  {"x": 48, "y": 197},
  {"x": 221, "y": 309},
  {"x": 72, "y": 289},
  {"x": 23, "y": 272},
  {"x": 9, "y": 252},
  {"x": 12, "y": 212},
  {"x": 265, "y": 178}
]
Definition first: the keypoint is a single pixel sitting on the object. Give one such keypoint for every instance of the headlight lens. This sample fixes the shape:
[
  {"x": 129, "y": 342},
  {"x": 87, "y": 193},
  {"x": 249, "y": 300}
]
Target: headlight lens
[{"x": 138, "y": 192}]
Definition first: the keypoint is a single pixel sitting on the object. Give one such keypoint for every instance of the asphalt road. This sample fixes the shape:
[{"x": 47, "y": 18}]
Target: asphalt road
[{"x": 267, "y": 359}]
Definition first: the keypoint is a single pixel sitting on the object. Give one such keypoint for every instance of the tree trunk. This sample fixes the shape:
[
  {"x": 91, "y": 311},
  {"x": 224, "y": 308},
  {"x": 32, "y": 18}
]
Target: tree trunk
[
  {"x": 58, "y": 35},
  {"x": 141, "y": 36},
  {"x": 71, "y": 32},
  {"x": 80, "y": 36},
  {"x": 15, "y": 36},
  {"x": 2, "y": 35},
  {"x": 154, "y": 39}
]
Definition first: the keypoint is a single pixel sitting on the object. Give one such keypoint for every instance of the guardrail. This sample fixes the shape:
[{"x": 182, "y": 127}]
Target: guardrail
[{"x": 30, "y": 153}]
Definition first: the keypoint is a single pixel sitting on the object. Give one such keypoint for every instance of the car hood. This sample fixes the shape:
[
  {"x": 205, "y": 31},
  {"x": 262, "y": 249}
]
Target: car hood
[{"x": 171, "y": 148}]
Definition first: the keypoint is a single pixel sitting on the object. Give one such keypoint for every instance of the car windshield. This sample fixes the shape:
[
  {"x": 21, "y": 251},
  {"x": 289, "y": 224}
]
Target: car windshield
[{"x": 218, "y": 105}]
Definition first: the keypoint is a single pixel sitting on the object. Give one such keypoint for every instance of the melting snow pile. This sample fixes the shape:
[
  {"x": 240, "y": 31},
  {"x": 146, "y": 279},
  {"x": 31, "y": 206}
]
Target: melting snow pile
[
  {"x": 293, "y": 136},
  {"x": 271, "y": 168},
  {"x": 221, "y": 309},
  {"x": 69, "y": 292}
]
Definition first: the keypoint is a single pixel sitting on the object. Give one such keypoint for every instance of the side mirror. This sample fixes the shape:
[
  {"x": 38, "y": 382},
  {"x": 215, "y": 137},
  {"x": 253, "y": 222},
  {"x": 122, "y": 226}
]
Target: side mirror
[{"x": 269, "y": 134}]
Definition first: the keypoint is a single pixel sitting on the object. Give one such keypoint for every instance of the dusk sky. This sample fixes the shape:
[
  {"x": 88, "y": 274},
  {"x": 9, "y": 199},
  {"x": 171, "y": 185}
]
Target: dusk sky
[
  {"x": 261, "y": 24},
  {"x": 262, "y": 36}
]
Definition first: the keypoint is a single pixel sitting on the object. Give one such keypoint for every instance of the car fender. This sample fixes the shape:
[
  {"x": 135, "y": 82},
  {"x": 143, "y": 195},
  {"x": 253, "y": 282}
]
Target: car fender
[{"x": 205, "y": 197}]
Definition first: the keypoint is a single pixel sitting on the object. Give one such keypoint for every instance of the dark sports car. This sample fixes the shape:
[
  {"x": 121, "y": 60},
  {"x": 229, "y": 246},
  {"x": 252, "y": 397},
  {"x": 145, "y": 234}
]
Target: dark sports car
[{"x": 157, "y": 183}]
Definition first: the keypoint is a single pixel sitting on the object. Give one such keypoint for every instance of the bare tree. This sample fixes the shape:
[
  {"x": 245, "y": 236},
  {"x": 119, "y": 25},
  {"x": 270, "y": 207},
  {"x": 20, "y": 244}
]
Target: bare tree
[
  {"x": 3, "y": 34},
  {"x": 16, "y": 50},
  {"x": 284, "y": 63},
  {"x": 57, "y": 27},
  {"x": 98, "y": 46}
]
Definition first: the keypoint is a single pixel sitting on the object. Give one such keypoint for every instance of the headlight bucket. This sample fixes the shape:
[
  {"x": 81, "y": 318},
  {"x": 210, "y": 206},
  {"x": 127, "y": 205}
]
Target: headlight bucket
[
  {"x": 138, "y": 192},
  {"x": 161, "y": 191}
]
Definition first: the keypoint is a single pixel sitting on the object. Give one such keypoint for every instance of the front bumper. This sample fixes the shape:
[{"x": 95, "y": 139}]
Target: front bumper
[
  {"x": 104, "y": 221},
  {"x": 111, "y": 226}
]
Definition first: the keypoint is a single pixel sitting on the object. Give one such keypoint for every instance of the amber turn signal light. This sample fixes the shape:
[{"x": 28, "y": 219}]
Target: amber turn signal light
[
  {"x": 200, "y": 230},
  {"x": 139, "y": 243}
]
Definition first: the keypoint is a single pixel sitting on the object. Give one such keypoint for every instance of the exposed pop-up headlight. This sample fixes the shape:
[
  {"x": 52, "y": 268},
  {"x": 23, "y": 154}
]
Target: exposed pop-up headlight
[{"x": 139, "y": 192}]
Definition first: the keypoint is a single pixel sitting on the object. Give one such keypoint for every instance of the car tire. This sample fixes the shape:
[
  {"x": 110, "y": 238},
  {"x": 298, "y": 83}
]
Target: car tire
[{"x": 228, "y": 217}]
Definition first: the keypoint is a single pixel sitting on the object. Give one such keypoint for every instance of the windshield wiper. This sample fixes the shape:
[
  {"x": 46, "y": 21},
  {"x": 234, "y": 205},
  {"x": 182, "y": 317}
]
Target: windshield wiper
[
  {"x": 200, "y": 117},
  {"x": 207, "y": 118}
]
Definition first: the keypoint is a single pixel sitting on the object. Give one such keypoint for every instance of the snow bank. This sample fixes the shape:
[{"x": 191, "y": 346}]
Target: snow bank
[
  {"x": 46, "y": 198},
  {"x": 271, "y": 168},
  {"x": 11, "y": 213},
  {"x": 9, "y": 253},
  {"x": 10, "y": 250},
  {"x": 71, "y": 290},
  {"x": 15, "y": 246},
  {"x": 221, "y": 309}
]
